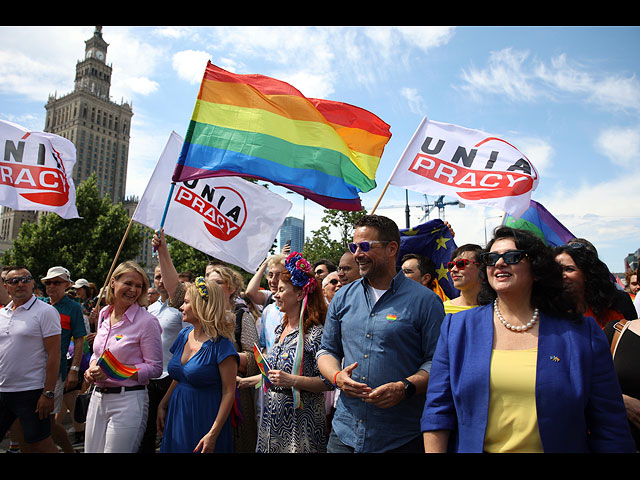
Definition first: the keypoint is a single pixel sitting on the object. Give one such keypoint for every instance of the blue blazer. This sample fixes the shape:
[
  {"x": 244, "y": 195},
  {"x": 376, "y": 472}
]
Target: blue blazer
[{"x": 578, "y": 398}]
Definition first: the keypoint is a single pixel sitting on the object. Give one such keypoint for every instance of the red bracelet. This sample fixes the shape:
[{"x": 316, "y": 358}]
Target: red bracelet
[{"x": 334, "y": 378}]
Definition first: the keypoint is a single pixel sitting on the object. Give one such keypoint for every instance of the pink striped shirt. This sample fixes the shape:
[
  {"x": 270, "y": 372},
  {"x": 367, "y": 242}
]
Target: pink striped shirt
[{"x": 134, "y": 341}]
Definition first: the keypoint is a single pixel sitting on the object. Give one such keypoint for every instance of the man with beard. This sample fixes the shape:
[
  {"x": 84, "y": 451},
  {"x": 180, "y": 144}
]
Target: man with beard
[{"x": 383, "y": 328}]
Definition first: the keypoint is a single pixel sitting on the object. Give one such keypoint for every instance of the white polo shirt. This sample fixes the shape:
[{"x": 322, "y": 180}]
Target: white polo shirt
[{"x": 23, "y": 358}]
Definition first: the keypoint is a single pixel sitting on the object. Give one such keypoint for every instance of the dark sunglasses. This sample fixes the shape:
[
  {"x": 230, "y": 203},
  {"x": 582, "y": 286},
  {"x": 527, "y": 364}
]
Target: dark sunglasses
[
  {"x": 333, "y": 281},
  {"x": 53, "y": 282},
  {"x": 460, "y": 264},
  {"x": 364, "y": 246},
  {"x": 510, "y": 257},
  {"x": 16, "y": 280}
]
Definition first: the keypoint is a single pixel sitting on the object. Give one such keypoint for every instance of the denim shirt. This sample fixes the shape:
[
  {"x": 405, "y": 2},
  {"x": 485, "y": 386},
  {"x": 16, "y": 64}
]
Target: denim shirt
[{"x": 390, "y": 340}]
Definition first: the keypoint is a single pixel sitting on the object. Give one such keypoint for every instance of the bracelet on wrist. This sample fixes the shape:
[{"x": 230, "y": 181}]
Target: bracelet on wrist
[{"x": 335, "y": 378}]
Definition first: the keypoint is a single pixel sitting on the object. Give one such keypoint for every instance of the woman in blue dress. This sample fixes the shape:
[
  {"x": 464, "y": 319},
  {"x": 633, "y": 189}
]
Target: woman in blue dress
[{"x": 194, "y": 413}]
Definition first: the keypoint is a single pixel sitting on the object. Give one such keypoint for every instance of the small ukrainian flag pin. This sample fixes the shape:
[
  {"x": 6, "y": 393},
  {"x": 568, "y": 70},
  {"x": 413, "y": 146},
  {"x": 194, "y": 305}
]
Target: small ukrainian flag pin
[{"x": 554, "y": 358}]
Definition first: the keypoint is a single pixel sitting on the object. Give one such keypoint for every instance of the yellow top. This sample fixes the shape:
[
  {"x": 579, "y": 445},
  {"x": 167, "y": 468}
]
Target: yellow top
[
  {"x": 512, "y": 424},
  {"x": 449, "y": 308}
]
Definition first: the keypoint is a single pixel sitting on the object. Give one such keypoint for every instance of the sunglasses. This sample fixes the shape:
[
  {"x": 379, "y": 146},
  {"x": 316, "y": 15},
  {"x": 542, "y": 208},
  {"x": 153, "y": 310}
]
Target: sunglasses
[
  {"x": 16, "y": 280},
  {"x": 364, "y": 246},
  {"x": 510, "y": 257},
  {"x": 333, "y": 281},
  {"x": 53, "y": 282},
  {"x": 460, "y": 264}
]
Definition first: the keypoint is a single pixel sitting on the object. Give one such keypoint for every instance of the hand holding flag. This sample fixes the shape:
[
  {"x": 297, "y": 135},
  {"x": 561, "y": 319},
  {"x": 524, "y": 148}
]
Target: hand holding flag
[{"x": 113, "y": 368}]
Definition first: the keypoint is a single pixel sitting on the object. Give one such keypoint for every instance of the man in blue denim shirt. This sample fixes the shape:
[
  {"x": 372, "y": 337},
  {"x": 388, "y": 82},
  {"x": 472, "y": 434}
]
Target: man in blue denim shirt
[{"x": 378, "y": 342}]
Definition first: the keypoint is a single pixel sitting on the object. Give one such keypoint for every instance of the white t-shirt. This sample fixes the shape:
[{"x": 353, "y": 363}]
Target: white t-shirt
[{"x": 23, "y": 358}]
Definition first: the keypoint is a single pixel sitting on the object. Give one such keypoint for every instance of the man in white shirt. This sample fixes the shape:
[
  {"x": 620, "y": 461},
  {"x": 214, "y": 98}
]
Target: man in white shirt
[{"x": 29, "y": 362}]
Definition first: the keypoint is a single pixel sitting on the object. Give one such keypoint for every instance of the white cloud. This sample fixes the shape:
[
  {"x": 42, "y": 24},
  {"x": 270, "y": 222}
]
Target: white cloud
[
  {"x": 415, "y": 100},
  {"x": 620, "y": 145},
  {"x": 190, "y": 65},
  {"x": 514, "y": 74}
]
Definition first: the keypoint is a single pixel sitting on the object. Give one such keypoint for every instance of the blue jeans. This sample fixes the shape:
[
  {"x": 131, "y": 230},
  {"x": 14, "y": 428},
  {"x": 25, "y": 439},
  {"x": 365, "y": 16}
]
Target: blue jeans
[{"x": 335, "y": 445}]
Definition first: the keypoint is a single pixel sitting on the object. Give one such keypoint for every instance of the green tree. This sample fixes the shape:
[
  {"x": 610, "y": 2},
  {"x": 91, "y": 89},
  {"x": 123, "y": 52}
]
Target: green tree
[
  {"x": 86, "y": 246},
  {"x": 331, "y": 239}
]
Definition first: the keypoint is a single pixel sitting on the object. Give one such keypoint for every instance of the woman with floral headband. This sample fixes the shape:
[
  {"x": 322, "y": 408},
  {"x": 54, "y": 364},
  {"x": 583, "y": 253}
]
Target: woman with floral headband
[
  {"x": 194, "y": 413},
  {"x": 294, "y": 416}
]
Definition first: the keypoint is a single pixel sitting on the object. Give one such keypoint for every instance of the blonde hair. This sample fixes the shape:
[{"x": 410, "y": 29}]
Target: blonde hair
[
  {"x": 232, "y": 279},
  {"x": 278, "y": 259},
  {"x": 128, "y": 267},
  {"x": 208, "y": 305}
]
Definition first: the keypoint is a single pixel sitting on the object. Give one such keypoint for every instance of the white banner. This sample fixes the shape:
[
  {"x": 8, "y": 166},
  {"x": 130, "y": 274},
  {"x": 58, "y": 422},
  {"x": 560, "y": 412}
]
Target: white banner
[
  {"x": 229, "y": 218},
  {"x": 445, "y": 159},
  {"x": 35, "y": 171}
]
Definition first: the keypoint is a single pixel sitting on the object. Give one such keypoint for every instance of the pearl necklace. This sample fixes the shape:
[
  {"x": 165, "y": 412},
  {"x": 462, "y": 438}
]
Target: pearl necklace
[{"x": 515, "y": 328}]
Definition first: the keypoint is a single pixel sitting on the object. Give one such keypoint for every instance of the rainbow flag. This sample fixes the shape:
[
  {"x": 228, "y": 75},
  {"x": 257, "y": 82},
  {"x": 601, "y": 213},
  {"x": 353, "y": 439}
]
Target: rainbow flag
[
  {"x": 113, "y": 368},
  {"x": 259, "y": 127},
  {"x": 262, "y": 365},
  {"x": 538, "y": 220}
]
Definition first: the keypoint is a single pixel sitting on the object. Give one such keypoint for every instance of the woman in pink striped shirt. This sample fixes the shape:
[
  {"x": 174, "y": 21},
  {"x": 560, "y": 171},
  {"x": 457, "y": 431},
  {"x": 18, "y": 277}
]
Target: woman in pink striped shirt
[{"x": 118, "y": 409}]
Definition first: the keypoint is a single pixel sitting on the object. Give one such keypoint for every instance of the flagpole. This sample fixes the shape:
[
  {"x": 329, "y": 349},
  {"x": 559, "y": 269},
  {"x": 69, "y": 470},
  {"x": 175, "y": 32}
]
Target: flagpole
[
  {"x": 166, "y": 207},
  {"x": 424, "y": 119},
  {"x": 115, "y": 259}
]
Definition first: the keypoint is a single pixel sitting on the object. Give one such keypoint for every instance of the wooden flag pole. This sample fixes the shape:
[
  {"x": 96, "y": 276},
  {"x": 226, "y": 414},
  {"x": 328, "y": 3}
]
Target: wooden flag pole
[
  {"x": 115, "y": 259},
  {"x": 380, "y": 197}
]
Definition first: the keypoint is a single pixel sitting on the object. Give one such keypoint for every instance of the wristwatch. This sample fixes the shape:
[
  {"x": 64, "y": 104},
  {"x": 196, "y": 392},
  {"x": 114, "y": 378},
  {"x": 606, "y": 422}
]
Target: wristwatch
[
  {"x": 409, "y": 388},
  {"x": 74, "y": 368},
  {"x": 48, "y": 394}
]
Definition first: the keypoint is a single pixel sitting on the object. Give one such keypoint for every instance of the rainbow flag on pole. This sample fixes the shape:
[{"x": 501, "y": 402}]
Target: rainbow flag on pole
[
  {"x": 263, "y": 366},
  {"x": 113, "y": 368},
  {"x": 260, "y": 127},
  {"x": 538, "y": 220}
]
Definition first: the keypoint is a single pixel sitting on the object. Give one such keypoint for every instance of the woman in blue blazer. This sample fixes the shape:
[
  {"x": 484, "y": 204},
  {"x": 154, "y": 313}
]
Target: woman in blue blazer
[{"x": 521, "y": 373}]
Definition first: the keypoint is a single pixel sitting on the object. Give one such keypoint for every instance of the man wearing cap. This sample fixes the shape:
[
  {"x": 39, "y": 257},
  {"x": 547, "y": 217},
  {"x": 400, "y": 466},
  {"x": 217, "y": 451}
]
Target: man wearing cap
[
  {"x": 56, "y": 283},
  {"x": 29, "y": 362}
]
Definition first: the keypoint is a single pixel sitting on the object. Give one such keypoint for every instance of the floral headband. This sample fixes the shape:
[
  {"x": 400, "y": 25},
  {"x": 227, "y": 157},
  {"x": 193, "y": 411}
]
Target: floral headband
[
  {"x": 202, "y": 288},
  {"x": 299, "y": 269}
]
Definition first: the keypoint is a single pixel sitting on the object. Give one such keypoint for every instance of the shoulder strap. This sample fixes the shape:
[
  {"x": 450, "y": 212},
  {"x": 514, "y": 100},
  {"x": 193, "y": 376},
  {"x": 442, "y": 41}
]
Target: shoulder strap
[{"x": 619, "y": 329}]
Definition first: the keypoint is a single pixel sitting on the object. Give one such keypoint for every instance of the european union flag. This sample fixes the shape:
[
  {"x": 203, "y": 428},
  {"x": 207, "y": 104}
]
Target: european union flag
[{"x": 432, "y": 239}]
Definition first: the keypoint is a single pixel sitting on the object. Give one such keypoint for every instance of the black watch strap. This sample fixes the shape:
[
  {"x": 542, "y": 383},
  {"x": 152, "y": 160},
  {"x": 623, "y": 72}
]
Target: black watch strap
[{"x": 409, "y": 388}]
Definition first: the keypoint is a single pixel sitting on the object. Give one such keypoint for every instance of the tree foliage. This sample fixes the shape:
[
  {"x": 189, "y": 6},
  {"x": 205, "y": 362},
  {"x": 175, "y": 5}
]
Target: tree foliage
[
  {"x": 331, "y": 239},
  {"x": 86, "y": 246}
]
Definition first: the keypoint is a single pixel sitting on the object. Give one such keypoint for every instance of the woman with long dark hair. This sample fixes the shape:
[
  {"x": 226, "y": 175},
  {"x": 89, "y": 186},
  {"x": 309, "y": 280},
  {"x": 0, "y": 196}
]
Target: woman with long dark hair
[
  {"x": 588, "y": 280},
  {"x": 523, "y": 372}
]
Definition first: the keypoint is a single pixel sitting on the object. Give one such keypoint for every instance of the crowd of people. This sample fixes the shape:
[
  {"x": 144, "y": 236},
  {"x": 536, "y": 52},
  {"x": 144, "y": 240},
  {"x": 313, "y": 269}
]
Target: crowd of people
[{"x": 536, "y": 353}]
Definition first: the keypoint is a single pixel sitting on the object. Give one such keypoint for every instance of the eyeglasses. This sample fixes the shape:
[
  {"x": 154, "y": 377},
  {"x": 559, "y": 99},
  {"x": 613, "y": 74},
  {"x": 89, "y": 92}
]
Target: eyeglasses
[
  {"x": 16, "y": 280},
  {"x": 460, "y": 264},
  {"x": 344, "y": 269},
  {"x": 364, "y": 246},
  {"x": 53, "y": 282},
  {"x": 510, "y": 257}
]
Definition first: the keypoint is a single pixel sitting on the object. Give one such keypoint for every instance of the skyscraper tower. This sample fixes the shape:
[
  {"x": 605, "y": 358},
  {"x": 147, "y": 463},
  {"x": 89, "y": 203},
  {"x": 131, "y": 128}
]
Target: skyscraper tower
[{"x": 99, "y": 128}]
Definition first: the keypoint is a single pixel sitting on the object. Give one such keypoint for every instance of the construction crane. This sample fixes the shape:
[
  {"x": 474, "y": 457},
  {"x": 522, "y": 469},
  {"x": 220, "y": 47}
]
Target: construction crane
[{"x": 427, "y": 207}]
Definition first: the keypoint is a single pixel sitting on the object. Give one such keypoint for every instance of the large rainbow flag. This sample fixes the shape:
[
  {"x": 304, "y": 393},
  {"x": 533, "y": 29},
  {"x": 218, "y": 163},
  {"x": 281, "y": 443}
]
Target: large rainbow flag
[
  {"x": 259, "y": 127},
  {"x": 113, "y": 368}
]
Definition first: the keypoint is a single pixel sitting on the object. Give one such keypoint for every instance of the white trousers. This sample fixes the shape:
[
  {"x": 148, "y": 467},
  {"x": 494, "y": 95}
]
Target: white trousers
[{"x": 116, "y": 422}]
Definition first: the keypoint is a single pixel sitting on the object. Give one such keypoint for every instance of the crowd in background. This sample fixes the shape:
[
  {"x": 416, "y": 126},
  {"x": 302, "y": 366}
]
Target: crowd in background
[{"x": 366, "y": 353}]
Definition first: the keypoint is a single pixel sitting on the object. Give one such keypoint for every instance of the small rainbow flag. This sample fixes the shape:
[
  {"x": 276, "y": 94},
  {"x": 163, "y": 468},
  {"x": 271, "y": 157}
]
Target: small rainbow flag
[
  {"x": 262, "y": 365},
  {"x": 260, "y": 127},
  {"x": 113, "y": 368}
]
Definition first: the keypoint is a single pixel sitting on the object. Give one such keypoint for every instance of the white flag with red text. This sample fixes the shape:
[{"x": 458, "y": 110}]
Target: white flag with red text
[
  {"x": 35, "y": 171},
  {"x": 445, "y": 159},
  {"x": 229, "y": 218}
]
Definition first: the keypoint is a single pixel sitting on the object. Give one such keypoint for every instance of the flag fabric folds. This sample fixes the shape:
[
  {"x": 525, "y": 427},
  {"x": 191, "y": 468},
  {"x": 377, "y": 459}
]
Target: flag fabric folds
[
  {"x": 538, "y": 220},
  {"x": 231, "y": 219},
  {"x": 432, "y": 239},
  {"x": 260, "y": 127},
  {"x": 113, "y": 368},
  {"x": 35, "y": 171},
  {"x": 263, "y": 366},
  {"x": 475, "y": 167}
]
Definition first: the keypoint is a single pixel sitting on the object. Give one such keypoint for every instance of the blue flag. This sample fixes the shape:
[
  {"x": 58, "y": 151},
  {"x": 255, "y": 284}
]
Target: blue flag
[{"x": 432, "y": 239}]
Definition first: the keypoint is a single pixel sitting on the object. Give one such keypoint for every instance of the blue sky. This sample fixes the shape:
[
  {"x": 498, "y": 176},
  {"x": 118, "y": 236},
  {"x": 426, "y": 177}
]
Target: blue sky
[{"x": 567, "y": 97}]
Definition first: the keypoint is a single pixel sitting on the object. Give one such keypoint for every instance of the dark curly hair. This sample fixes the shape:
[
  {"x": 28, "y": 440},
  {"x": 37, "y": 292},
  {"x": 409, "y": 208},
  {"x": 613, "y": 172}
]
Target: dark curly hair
[
  {"x": 547, "y": 293},
  {"x": 600, "y": 291}
]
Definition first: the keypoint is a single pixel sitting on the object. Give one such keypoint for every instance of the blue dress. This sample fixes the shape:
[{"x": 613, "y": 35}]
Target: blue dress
[{"x": 195, "y": 400}]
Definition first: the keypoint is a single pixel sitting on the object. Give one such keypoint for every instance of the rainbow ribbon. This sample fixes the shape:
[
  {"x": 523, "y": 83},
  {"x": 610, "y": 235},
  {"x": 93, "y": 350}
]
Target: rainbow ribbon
[{"x": 113, "y": 368}]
